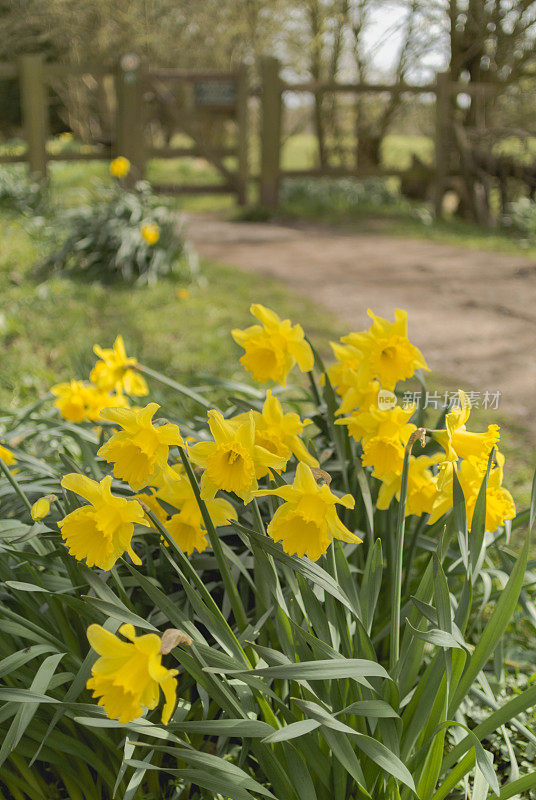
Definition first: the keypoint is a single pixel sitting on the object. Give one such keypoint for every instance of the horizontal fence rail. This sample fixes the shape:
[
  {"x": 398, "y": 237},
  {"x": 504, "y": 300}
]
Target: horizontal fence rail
[{"x": 218, "y": 96}]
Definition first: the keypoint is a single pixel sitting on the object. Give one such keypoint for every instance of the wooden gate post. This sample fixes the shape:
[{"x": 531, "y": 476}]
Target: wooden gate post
[
  {"x": 34, "y": 107},
  {"x": 270, "y": 131},
  {"x": 443, "y": 126},
  {"x": 130, "y": 119},
  {"x": 242, "y": 121}
]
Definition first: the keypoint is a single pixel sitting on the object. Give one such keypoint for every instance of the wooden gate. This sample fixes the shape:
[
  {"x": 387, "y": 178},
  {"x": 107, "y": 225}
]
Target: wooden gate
[{"x": 207, "y": 107}]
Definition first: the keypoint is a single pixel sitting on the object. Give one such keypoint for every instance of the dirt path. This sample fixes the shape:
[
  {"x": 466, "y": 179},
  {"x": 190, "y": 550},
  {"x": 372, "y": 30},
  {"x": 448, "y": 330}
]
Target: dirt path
[{"x": 473, "y": 313}]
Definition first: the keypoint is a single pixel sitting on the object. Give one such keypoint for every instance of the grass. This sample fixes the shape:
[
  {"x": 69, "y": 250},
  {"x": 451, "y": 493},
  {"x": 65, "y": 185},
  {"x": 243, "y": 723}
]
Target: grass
[{"x": 47, "y": 329}]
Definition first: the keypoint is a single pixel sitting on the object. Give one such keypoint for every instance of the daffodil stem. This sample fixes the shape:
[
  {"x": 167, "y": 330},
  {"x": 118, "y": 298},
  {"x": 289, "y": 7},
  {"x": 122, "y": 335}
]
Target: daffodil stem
[
  {"x": 230, "y": 585},
  {"x": 257, "y": 518},
  {"x": 396, "y": 596},
  {"x": 5, "y": 469},
  {"x": 177, "y": 386}
]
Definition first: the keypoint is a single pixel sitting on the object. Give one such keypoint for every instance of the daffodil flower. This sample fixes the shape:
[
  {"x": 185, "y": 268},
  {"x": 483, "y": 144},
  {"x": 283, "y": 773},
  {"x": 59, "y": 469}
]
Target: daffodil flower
[
  {"x": 233, "y": 460},
  {"x": 273, "y": 347},
  {"x": 101, "y": 531},
  {"x": 307, "y": 522},
  {"x": 140, "y": 451},
  {"x": 116, "y": 371},
  {"x": 128, "y": 676}
]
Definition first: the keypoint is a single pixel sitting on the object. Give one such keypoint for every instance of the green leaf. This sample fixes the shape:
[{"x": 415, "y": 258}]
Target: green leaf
[{"x": 292, "y": 731}]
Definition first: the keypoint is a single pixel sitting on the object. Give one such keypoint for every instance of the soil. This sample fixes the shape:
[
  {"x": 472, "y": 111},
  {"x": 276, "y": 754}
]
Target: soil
[{"x": 473, "y": 313}]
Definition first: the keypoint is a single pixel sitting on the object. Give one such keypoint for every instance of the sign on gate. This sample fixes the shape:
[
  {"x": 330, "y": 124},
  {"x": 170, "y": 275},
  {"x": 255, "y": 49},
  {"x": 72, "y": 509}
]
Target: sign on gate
[{"x": 215, "y": 93}]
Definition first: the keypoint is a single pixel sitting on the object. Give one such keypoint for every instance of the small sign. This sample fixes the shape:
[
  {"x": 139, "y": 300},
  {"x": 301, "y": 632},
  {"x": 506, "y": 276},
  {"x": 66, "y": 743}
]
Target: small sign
[{"x": 215, "y": 93}]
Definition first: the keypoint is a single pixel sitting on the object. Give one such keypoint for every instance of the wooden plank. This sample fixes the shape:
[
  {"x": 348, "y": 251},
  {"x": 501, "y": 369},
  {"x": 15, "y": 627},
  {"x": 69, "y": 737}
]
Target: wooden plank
[
  {"x": 194, "y": 152},
  {"x": 179, "y": 188},
  {"x": 8, "y": 70},
  {"x": 34, "y": 112},
  {"x": 102, "y": 155},
  {"x": 242, "y": 124},
  {"x": 342, "y": 172},
  {"x": 271, "y": 112},
  {"x": 130, "y": 128},
  {"x": 190, "y": 77},
  {"x": 442, "y": 123},
  {"x": 357, "y": 88},
  {"x": 13, "y": 159},
  {"x": 57, "y": 70}
]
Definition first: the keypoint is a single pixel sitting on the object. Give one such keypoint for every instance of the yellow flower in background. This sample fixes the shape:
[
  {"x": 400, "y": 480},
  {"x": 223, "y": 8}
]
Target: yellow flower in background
[
  {"x": 461, "y": 443},
  {"x": 387, "y": 354},
  {"x": 307, "y": 522},
  {"x": 120, "y": 167},
  {"x": 273, "y": 347},
  {"x": 278, "y": 432},
  {"x": 183, "y": 294},
  {"x": 7, "y": 456},
  {"x": 140, "y": 451},
  {"x": 384, "y": 435},
  {"x": 150, "y": 232},
  {"x": 116, "y": 371},
  {"x": 40, "y": 509},
  {"x": 101, "y": 531},
  {"x": 422, "y": 487},
  {"x": 233, "y": 460},
  {"x": 71, "y": 402},
  {"x": 362, "y": 398},
  {"x": 78, "y": 401},
  {"x": 187, "y": 527},
  {"x": 343, "y": 373},
  {"x": 128, "y": 676}
]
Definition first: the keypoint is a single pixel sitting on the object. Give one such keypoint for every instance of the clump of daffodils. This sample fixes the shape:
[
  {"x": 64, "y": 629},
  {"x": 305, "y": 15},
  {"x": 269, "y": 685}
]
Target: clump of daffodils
[{"x": 168, "y": 490}]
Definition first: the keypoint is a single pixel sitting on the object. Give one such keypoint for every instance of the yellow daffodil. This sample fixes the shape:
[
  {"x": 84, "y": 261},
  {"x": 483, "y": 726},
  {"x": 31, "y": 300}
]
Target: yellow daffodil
[
  {"x": 116, "y": 371},
  {"x": 422, "y": 487},
  {"x": 307, "y": 521},
  {"x": 187, "y": 526},
  {"x": 127, "y": 676},
  {"x": 101, "y": 531},
  {"x": 279, "y": 433},
  {"x": 150, "y": 232},
  {"x": 273, "y": 347},
  {"x": 461, "y": 443},
  {"x": 387, "y": 354},
  {"x": 183, "y": 294},
  {"x": 499, "y": 502},
  {"x": 360, "y": 397},
  {"x": 233, "y": 460},
  {"x": 40, "y": 509},
  {"x": 140, "y": 451},
  {"x": 78, "y": 401},
  {"x": 384, "y": 434},
  {"x": 343, "y": 374},
  {"x": 7, "y": 456},
  {"x": 120, "y": 167}
]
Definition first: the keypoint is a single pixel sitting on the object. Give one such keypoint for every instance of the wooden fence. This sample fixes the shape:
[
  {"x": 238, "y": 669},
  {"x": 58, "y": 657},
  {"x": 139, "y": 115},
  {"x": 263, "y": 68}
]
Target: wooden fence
[
  {"x": 226, "y": 94},
  {"x": 223, "y": 95},
  {"x": 274, "y": 88}
]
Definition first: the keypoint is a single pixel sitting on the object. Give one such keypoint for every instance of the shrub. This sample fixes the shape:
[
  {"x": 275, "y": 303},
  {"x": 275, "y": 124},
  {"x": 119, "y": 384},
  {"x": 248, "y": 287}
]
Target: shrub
[
  {"x": 336, "y": 605},
  {"x": 121, "y": 235},
  {"x": 18, "y": 192},
  {"x": 522, "y": 217},
  {"x": 335, "y": 195}
]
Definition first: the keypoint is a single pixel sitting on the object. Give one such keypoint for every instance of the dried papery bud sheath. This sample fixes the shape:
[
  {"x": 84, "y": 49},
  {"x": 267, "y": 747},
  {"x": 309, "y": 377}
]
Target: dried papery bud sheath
[
  {"x": 320, "y": 475},
  {"x": 417, "y": 435},
  {"x": 173, "y": 637}
]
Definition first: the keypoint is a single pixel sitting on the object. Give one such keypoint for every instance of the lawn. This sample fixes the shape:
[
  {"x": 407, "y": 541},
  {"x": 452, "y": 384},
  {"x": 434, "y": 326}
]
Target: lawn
[{"x": 47, "y": 328}]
